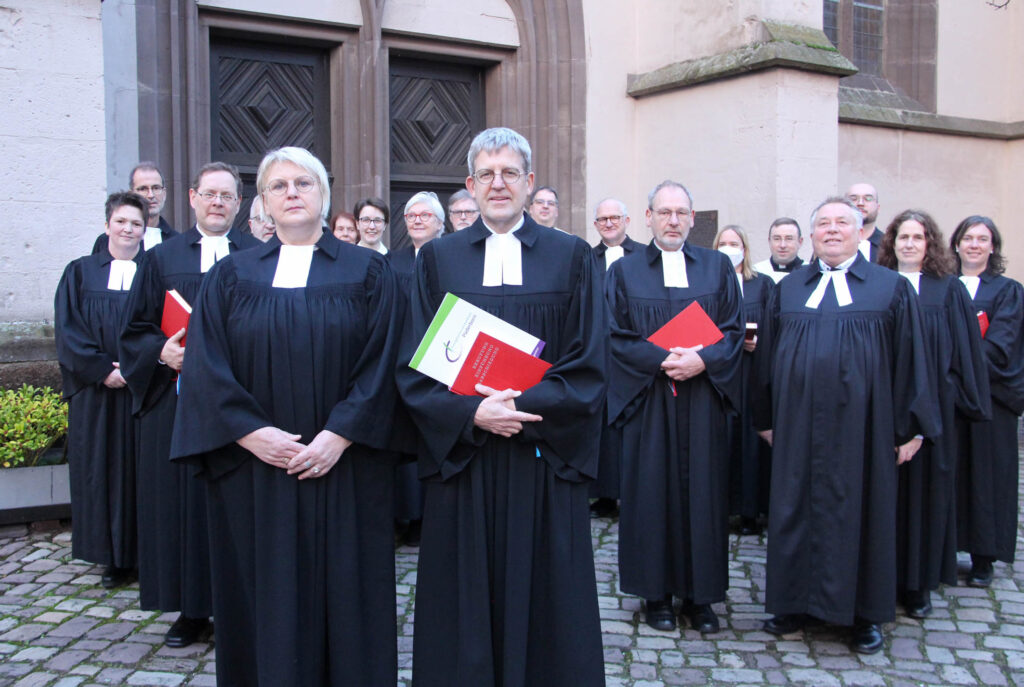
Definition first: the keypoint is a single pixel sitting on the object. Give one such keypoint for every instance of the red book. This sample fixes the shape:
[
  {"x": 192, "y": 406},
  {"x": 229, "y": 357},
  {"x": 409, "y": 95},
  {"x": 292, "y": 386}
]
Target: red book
[
  {"x": 691, "y": 327},
  {"x": 983, "y": 322},
  {"x": 496, "y": 364},
  {"x": 176, "y": 314}
]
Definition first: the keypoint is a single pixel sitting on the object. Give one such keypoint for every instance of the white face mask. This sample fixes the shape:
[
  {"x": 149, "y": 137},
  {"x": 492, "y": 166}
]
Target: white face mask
[{"x": 735, "y": 254}]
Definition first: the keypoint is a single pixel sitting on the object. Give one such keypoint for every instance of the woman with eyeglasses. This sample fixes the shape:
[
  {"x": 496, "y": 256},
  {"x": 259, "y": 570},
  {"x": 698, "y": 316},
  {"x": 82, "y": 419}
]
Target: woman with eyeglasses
[
  {"x": 291, "y": 357},
  {"x": 926, "y": 515},
  {"x": 372, "y": 215},
  {"x": 424, "y": 222},
  {"x": 987, "y": 472},
  {"x": 749, "y": 456}
]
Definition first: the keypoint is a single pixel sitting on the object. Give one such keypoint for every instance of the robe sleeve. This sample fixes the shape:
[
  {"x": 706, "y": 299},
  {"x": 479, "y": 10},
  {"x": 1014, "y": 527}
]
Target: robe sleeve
[
  {"x": 142, "y": 340},
  {"x": 371, "y": 386},
  {"x": 82, "y": 360},
  {"x": 444, "y": 419},
  {"x": 1004, "y": 347},
  {"x": 967, "y": 366},
  {"x": 764, "y": 357},
  {"x": 723, "y": 360},
  {"x": 915, "y": 406},
  {"x": 572, "y": 392}
]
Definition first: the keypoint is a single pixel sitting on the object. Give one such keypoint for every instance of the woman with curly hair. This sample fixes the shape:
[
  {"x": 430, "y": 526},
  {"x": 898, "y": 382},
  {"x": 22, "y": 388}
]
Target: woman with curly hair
[{"x": 926, "y": 515}]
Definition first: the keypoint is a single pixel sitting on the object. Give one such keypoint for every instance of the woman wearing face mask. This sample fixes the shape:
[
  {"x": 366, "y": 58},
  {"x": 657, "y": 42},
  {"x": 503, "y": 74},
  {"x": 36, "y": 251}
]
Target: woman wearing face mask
[
  {"x": 750, "y": 457},
  {"x": 926, "y": 515},
  {"x": 987, "y": 468}
]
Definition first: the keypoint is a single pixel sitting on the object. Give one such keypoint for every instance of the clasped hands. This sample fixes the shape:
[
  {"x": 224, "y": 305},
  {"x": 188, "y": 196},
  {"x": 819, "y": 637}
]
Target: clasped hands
[
  {"x": 497, "y": 413},
  {"x": 280, "y": 449},
  {"x": 114, "y": 380},
  {"x": 683, "y": 363}
]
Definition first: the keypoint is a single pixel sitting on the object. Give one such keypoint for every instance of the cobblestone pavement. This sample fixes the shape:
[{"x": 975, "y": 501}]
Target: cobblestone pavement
[{"x": 59, "y": 628}]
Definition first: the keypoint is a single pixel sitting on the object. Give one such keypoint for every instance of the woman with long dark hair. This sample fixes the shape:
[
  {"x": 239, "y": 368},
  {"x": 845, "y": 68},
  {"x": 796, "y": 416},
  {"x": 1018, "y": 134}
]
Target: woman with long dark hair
[
  {"x": 926, "y": 514},
  {"x": 987, "y": 475}
]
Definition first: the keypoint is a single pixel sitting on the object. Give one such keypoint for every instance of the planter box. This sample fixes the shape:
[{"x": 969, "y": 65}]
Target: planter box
[{"x": 38, "y": 493}]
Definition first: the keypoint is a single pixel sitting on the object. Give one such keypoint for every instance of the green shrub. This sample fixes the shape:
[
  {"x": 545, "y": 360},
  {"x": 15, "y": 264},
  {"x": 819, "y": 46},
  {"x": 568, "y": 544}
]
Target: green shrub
[{"x": 31, "y": 420}]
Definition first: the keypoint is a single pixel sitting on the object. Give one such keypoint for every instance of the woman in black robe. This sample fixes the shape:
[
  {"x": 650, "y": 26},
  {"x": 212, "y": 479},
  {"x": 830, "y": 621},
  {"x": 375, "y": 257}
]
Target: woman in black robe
[
  {"x": 89, "y": 308},
  {"x": 987, "y": 470},
  {"x": 749, "y": 455},
  {"x": 926, "y": 510},
  {"x": 290, "y": 359}
]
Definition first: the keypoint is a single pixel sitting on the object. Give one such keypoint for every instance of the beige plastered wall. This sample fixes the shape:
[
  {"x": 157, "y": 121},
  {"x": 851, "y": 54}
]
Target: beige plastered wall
[
  {"x": 753, "y": 147},
  {"x": 52, "y": 182}
]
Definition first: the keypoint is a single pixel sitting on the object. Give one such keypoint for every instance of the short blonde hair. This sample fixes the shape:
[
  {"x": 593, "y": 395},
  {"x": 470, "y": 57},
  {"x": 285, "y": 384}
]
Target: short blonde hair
[{"x": 303, "y": 158}]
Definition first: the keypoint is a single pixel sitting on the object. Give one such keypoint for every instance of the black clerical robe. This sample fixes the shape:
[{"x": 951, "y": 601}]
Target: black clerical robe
[
  {"x": 776, "y": 271},
  {"x": 987, "y": 472},
  {"x": 303, "y": 571},
  {"x": 926, "y": 516},
  {"x": 673, "y": 529},
  {"x": 167, "y": 232},
  {"x": 842, "y": 387},
  {"x": 408, "y": 490},
  {"x": 101, "y": 430},
  {"x": 174, "y": 568},
  {"x": 609, "y": 457},
  {"x": 506, "y": 592},
  {"x": 875, "y": 241},
  {"x": 749, "y": 455}
]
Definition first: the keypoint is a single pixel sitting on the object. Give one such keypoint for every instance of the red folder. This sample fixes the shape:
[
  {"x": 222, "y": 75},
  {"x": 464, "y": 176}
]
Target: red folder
[
  {"x": 176, "y": 314},
  {"x": 691, "y": 327},
  {"x": 494, "y": 363},
  {"x": 983, "y": 322}
]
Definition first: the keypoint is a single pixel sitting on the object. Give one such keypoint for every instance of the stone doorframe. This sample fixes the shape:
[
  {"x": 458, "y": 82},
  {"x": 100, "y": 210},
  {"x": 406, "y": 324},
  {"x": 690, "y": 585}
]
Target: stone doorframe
[{"x": 539, "y": 89}]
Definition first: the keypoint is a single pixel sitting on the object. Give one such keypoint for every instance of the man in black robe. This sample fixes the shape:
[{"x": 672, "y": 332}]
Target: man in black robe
[
  {"x": 506, "y": 591},
  {"x": 89, "y": 307},
  {"x": 843, "y": 379},
  {"x": 865, "y": 198},
  {"x": 784, "y": 240},
  {"x": 611, "y": 219},
  {"x": 174, "y": 569},
  {"x": 673, "y": 531},
  {"x": 146, "y": 180}
]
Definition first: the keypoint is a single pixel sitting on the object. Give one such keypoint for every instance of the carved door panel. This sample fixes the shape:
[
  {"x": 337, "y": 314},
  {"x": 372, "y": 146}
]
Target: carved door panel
[
  {"x": 264, "y": 96},
  {"x": 436, "y": 109}
]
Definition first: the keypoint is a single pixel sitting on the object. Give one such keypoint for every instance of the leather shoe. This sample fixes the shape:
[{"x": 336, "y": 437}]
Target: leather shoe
[
  {"x": 867, "y": 638},
  {"x": 603, "y": 508},
  {"x": 116, "y": 577},
  {"x": 918, "y": 604},
  {"x": 660, "y": 616},
  {"x": 981, "y": 572},
  {"x": 785, "y": 624},
  {"x": 702, "y": 618},
  {"x": 185, "y": 631}
]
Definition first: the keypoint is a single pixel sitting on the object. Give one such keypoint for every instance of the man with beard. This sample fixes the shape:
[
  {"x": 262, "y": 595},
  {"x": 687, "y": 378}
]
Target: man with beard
[{"x": 865, "y": 198}]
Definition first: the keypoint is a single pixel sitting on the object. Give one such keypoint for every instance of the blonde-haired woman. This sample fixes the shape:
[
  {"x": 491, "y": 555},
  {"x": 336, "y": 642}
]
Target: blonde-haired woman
[{"x": 291, "y": 356}]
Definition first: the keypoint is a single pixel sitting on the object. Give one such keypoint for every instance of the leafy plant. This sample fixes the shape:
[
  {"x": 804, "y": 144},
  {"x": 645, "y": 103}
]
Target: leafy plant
[{"x": 31, "y": 420}]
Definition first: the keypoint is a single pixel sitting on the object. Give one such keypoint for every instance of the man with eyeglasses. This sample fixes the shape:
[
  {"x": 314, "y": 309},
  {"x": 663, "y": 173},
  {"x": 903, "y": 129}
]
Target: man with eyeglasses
[
  {"x": 174, "y": 572},
  {"x": 784, "y": 240},
  {"x": 865, "y": 198},
  {"x": 611, "y": 219},
  {"x": 506, "y": 590},
  {"x": 544, "y": 207},
  {"x": 462, "y": 209},
  {"x": 671, "y": 404},
  {"x": 146, "y": 180}
]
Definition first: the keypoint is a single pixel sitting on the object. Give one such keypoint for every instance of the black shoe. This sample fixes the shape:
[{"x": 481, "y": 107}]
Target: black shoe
[
  {"x": 413, "y": 533},
  {"x": 659, "y": 615},
  {"x": 749, "y": 526},
  {"x": 785, "y": 624},
  {"x": 603, "y": 508},
  {"x": 981, "y": 572},
  {"x": 702, "y": 618},
  {"x": 867, "y": 638},
  {"x": 185, "y": 631},
  {"x": 918, "y": 604},
  {"x": 116, "y": 577}
]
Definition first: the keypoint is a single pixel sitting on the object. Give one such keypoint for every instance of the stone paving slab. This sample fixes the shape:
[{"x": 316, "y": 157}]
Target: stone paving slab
[{"x": 59, "y": 628}]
